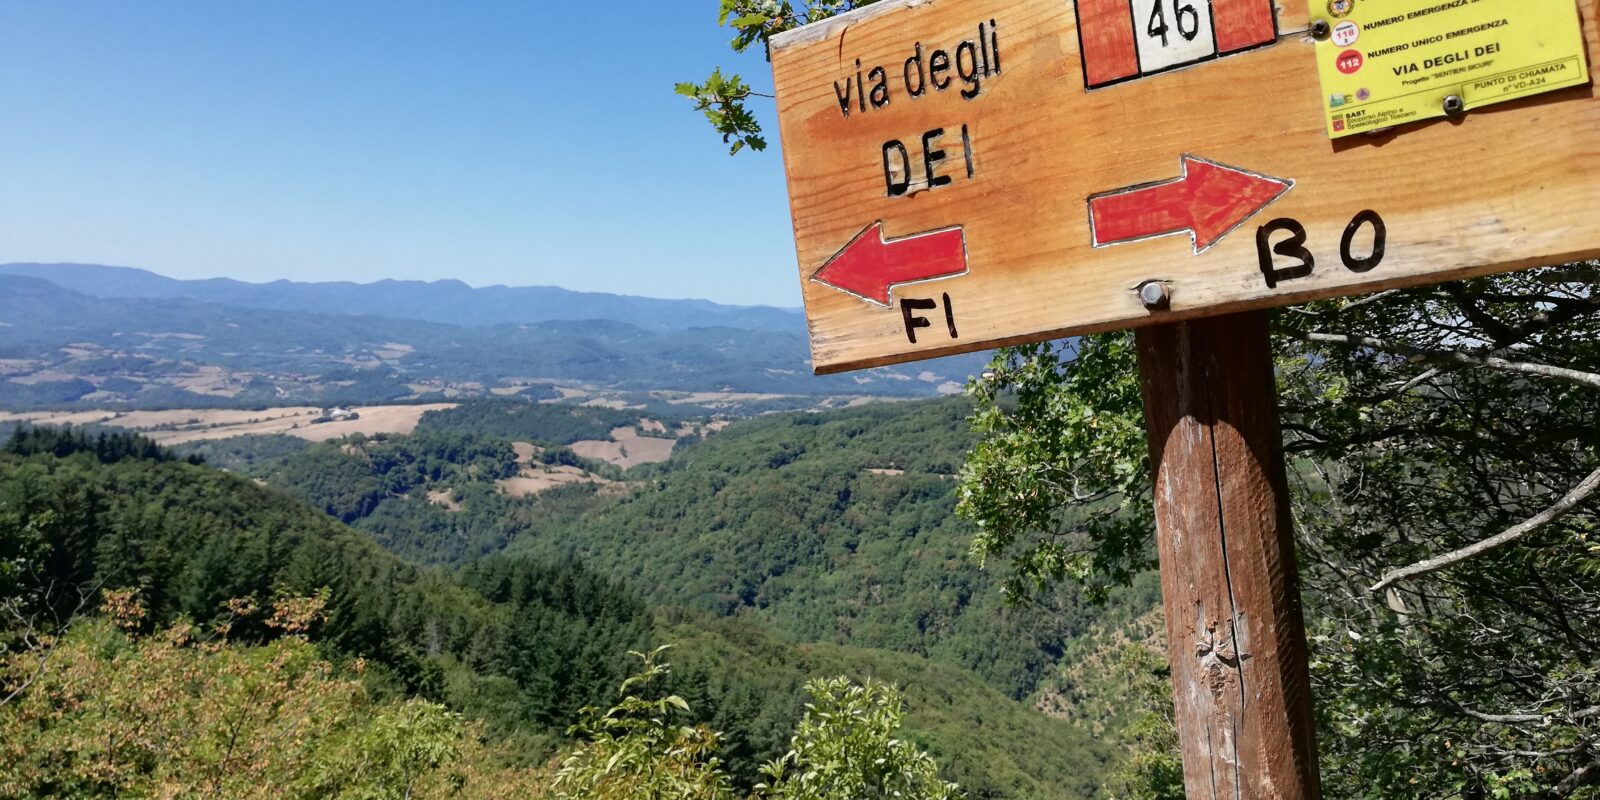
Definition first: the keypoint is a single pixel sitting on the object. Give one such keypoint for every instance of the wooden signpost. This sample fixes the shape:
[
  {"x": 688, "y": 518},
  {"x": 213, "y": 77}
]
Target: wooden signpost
[{"x": 966, "y": 174}]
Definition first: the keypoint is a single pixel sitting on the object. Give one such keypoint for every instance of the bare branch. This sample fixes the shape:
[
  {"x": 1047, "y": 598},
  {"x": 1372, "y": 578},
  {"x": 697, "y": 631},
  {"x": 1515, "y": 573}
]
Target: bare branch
[
  {"x": 1583, "y": 776},
  {"x": 1458, "y": 358},
  {"x": 1561, "y": 508},
  {"x": 1516, "y": 719}
]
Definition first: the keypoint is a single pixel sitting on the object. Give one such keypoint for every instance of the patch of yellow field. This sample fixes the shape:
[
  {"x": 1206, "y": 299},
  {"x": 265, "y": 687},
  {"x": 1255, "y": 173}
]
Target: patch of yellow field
[
  {"x": 534, "y": 480},
  {"x": 192, "y": 425},
  {"x": 44, "y": 376},
  {"x": 626, "y": 448},
  {"x": 441, "y": 497},
  {"x": 211, "y": 380},
  {"x": 392, "y": 350},
  {"x": 607, "y": 402},
  {"x": 715, "y": 398},
  {"x": 525, "y": 451},
  {"x": 373, "y": 420},
  {"x": 181, "y": 425},
  {"x": 57, "y": 417}
]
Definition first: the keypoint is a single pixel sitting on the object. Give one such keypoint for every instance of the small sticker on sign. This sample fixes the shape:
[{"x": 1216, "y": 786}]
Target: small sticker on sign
[
  {"x": 1414, "y": 54},
  {"x": 1350, "y": 62},
  {"x": 1346, "y": 33}
]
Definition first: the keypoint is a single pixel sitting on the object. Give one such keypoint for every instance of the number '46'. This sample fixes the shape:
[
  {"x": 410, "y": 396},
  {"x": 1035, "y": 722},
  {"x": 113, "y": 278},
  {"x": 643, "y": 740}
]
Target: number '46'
[{"x": 1184, "y": 14}]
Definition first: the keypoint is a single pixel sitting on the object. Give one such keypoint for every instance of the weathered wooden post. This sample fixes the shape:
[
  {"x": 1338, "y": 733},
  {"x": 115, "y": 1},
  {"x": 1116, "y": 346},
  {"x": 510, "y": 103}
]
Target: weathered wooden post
[
  {"x": 966, "y": 174},
  {"x": 1235, "y": 636}
]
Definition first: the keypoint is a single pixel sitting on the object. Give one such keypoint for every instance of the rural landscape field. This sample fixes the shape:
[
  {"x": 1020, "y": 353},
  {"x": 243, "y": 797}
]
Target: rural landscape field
[{"x": 420, "y": 402}]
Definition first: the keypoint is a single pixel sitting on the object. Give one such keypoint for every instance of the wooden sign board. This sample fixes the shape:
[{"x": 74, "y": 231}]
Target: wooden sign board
[{"x": 966, "y": 174}]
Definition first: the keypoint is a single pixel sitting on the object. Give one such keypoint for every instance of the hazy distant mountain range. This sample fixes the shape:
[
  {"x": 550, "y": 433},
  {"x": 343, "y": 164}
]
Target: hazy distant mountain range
[
  {"x": 75, "y": 335},
  {"x": 447, "y": 301}
]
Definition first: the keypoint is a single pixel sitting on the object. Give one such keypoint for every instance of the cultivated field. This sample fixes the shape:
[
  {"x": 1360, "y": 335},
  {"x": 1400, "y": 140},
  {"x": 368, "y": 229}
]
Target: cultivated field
[
  {"x": 541, "y": 478},
  {"x": 627, "y": 448},
  {"x": 178, "y": 426}
]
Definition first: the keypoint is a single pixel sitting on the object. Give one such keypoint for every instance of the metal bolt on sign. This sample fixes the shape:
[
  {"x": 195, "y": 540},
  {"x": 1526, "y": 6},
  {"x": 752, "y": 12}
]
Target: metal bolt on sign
[{"x": 1155, "y": 295}]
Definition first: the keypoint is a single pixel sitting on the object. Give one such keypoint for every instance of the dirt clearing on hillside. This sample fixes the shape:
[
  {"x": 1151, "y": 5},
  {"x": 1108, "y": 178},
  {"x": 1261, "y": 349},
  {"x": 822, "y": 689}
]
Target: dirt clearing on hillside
[
  {"x": 540, "y": 478},
  {"x": 627, "y": 448}
]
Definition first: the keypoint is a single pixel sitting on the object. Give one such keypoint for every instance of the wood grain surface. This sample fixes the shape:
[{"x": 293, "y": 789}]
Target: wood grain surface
[
  {"x": 1503, "y": 188},
  {"x": 1235, "y": 632}
]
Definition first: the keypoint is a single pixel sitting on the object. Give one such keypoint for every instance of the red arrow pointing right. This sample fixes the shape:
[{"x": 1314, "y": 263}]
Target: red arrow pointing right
[
  {"x": 1209, "y": 199},
  {"x": 870, "y": 265}
]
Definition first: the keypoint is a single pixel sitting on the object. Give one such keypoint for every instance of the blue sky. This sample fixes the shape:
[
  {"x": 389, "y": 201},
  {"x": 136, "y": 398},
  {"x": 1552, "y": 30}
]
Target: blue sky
[{"x": 492, "y": 142}]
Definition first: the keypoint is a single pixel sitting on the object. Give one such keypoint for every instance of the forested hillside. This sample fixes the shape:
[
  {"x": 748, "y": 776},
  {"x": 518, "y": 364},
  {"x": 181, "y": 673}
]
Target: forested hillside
[
  {"x": 522, "y": 641},
  {"x": 190, "y": 538},
  {"x": 833, "y": 527}
]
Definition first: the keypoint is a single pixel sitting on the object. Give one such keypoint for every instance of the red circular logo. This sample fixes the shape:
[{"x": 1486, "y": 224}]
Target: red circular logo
[{"x": 1350, "y": 62}]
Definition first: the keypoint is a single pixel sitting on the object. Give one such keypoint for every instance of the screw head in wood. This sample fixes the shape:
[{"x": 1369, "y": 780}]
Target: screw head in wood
[
  {"x": 1321, "y": 30},
  {"x": 1454, "y": 106},
  {"x": 1155, "y": 294}
]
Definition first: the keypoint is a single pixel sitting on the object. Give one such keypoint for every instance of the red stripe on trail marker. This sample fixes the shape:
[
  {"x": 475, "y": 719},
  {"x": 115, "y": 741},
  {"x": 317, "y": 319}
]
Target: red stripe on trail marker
[
  {"x": 1106, "y": 29},
  {"x": 1243, "y": 24}
]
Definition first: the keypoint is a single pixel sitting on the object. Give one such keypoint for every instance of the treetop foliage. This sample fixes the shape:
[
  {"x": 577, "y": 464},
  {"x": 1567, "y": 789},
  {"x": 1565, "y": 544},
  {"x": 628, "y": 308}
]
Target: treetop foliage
[
  {"x": 107, "y": 446},
  {"x": 1444, "y": 464},
  {"x": 181, "y": 712},
  {"x": 721, "y": 98},
  {"x": 1059, "y": 484},
  {"x": 520, "y": 645},
  {"x": 846, "y": 747}
]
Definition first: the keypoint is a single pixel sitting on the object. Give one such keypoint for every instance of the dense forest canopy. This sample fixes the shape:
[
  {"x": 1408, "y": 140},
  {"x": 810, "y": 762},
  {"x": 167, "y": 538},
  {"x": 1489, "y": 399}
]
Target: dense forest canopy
[
  {"x": 190, "y": 538},
  {"x": 519, "y": 643}
]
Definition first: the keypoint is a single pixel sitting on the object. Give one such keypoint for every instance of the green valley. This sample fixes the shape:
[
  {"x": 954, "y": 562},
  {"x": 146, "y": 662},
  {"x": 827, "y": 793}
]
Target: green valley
[{"x": 768, "y": 553}]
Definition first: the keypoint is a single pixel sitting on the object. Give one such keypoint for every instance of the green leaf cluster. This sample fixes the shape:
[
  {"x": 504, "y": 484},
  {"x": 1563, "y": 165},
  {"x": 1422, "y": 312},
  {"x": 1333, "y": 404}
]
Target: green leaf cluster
[
  {"x": 181, "y": 713},
  {"x": 1058, "y": 484},
  {"x": 722, "y": 98},
  {"x": 845, "y": 747}
]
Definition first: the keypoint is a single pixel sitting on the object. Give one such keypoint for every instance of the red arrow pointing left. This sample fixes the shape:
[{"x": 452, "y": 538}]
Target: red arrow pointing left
[
  {"x": 1209, "y": 199},
  {"x": 870, "y": 265}
]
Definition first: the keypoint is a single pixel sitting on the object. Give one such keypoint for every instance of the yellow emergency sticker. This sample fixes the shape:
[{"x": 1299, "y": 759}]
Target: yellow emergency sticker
[{"x": 1388, "y": 62}]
